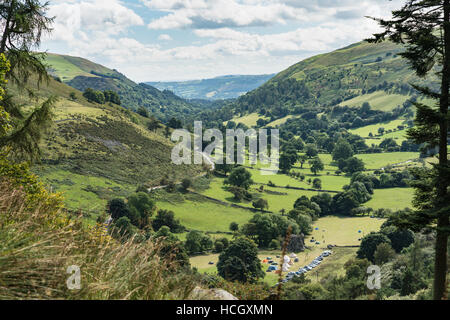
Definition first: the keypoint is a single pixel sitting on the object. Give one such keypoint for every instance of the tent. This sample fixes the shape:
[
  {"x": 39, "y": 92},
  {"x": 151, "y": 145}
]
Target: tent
[
  {"x": 272, "y": 268},
  {"x": 287, "y": 264}
]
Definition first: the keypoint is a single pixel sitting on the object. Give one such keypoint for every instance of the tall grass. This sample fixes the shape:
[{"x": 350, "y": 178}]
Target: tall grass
[{"x": 38, "y": 244}]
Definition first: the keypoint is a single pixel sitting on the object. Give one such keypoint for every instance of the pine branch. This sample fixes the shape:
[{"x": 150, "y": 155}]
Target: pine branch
[{"x": 24, "y": 141}]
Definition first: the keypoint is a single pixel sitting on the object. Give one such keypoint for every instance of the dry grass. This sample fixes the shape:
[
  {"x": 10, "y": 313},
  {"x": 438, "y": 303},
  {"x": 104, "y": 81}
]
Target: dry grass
[{"x": 37, "y": 245}]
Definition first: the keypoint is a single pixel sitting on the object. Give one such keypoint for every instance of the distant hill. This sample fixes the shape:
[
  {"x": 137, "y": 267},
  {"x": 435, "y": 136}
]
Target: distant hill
[
  {"x": 81, "y": 74},
  {"x": 350, "y": 76},
  {"x": 225, "y": 87}
]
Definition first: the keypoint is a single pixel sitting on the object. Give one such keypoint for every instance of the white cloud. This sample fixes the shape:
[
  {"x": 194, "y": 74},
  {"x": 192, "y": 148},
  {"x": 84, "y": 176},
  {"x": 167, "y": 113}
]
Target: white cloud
[
  {"x": 208, "y": 14},
  {"x": 219, "y": 13},
  {"x": 102, "y": 30},
  {"x": 77, "y": 20}
]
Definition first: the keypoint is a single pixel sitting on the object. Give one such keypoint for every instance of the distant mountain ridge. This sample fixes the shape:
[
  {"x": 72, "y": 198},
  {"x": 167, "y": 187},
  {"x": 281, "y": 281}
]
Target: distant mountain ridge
[{"x": 223, "y": 87}]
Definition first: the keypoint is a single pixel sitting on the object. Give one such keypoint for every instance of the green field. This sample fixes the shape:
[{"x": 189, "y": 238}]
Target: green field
[
  {"x": 86, "y": 193},
  {"x": 381, "y": 160},
  {"x": 398, "y": 136},
  {"x": 394, "y": 199},
  {"x": 365, "y": 131},
  {"x": 279, "y": 122},
  {"x": 206, "y": 215},
  {"x": 249, "y": 120},
  {"x": 280, "y": 197},
  {"x": 379, "y": 100},
  {"x": 66, "y": 109},
  {"x": 277, "y": 198}
]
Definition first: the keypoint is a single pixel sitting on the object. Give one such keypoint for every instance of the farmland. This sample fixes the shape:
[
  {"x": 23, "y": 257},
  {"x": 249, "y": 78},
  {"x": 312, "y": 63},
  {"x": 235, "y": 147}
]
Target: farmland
[
  {"x": 214, "y": 218},
  {"x": 206, "y": 215},
  {"x": 395, "y": 198},
  {"x": 373, "y": 129},
  {"x": 378, "y": 100},
  {"x": 382, "y": 160},
  {"x": 249, "y": 120}
]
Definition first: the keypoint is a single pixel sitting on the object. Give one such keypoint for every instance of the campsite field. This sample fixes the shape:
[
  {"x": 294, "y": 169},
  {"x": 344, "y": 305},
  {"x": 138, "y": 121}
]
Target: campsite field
[
  {"x": 333, "y": 265},
  {"x": 203, "y": 266},
  {"x": 342, "y": 231},
  {"x": 67, "y": 71}
]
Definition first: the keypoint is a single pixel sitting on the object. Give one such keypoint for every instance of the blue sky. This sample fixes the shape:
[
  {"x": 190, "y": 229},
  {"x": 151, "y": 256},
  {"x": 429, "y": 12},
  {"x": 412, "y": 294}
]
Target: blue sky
[{"x": 164, "y": 40}]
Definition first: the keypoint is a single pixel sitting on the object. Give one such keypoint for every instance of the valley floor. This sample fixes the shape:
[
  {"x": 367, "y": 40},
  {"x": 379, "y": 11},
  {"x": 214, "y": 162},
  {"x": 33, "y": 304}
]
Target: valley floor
[{"x": 212, "y": 208}]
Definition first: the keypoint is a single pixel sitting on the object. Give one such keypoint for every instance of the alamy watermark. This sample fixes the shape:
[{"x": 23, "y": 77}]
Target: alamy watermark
[
  {"x": 374, "y": 278},
  {"x": 237, "y": 143},
  {"x": 74, "y": 281}
]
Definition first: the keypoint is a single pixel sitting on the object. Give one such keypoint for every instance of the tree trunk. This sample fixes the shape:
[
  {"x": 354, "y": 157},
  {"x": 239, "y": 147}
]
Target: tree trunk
[
  {"x": 440, "y": 269},
  {"x": 6, "y": 31}
]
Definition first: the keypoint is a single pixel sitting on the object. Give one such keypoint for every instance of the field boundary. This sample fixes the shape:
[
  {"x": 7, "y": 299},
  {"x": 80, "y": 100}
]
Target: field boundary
[
  {"x": 298, "y": 188},
  {"x": 229, "y": 204}
]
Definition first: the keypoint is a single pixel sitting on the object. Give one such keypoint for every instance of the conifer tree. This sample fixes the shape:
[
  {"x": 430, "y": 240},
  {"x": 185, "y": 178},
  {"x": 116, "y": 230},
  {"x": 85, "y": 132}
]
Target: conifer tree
[
  {"x": 22, "y": 24},
  {"x": 423, "y": 27}
]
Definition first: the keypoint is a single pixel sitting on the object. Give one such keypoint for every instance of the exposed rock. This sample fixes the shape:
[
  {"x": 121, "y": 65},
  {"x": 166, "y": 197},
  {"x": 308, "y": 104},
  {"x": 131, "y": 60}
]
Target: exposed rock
[
  {"x": 297, "y": 243},
  {"x": 211, "y": 294}
]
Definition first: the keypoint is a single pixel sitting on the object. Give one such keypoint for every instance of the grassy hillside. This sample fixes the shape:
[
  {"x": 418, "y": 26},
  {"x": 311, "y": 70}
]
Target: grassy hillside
[
  {"x": 226, "y": 87},
  {"x": 350, "y": 76},
  {"x": 81, "y": 74},
  {"x": 95, "y": 152}
]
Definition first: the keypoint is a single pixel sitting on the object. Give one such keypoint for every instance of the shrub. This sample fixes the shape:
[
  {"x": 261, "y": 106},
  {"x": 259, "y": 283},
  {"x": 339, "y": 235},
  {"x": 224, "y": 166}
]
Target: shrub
[
  {"x": 186, "y": 184},
  {"x": 369, "y": 245},
  {"x": 384, "y": 253},
  {"x": 275, "y": 244}
]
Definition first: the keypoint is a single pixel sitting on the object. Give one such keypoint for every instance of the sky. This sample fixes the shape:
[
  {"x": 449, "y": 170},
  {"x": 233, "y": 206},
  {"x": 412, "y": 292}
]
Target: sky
[{"x": 174, "y": 40}]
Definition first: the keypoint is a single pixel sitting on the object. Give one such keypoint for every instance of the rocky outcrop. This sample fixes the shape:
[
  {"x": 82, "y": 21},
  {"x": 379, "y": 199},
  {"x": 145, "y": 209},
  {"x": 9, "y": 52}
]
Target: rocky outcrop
[
  {"x": 211, "y": 294},
  {"x": 296, "y": 244}
]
